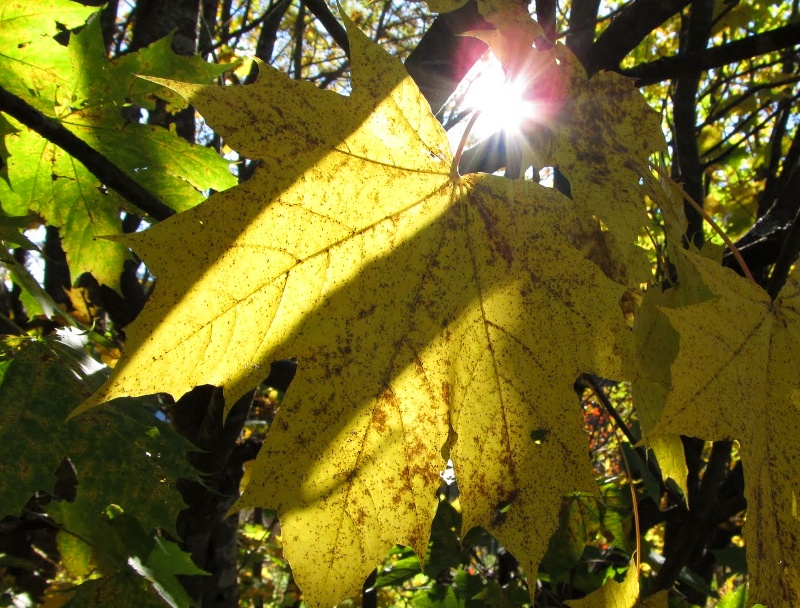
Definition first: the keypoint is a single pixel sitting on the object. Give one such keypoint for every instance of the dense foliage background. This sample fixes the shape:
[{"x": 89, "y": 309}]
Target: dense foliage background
[{"x": 129, "y": 502}]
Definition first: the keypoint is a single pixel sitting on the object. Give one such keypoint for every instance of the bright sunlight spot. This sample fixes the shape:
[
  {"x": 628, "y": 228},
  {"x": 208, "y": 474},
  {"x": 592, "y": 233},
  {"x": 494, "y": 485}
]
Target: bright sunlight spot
[{"x": 487, "y": 89}]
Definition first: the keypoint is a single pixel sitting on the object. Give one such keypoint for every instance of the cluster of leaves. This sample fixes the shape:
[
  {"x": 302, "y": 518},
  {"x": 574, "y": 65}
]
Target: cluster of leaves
[
  {"x": 114, "y": 472},
  {"x": 433, "y": 316},
  {"x": 456, "y": 357}
]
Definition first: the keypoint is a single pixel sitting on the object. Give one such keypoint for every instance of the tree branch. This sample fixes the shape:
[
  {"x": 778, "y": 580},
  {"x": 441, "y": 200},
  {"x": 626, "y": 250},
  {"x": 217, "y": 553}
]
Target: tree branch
[
  {"x": 443, "y": 57},
  {"x": 582, "y": 26},
  {"x": 546, "y": 16},
  {"x": 627, "y": 30},
  {"x": 791, "y": 245},
  {"x": 107, "y": 172},
  {"x": 320, "y": 10},
  {"x": 297, "y": 53},
  {"x": 695, "y": 36},
  {"x": 751, "y": 46}
]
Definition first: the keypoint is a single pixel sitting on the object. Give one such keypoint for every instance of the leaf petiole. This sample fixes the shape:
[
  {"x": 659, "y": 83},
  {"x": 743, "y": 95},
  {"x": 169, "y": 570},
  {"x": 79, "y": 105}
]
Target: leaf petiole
[
  {"x": 454, "y": 174},
  {"x": 711, "y": 222}
]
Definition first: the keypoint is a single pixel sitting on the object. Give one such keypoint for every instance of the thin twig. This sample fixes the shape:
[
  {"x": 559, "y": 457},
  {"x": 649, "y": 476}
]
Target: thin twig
[
  {"x": 601, "y": 395},
  {"x": 786, "y": 258},
  {"x": 603, "y": 398},
  {"x": 13, "y": 325},
  {"x": 711, "y": 223}
]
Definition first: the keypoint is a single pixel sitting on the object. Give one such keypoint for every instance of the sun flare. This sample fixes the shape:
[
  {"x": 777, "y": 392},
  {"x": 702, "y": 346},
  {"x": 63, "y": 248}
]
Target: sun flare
[{"x": 500, "y": 101}]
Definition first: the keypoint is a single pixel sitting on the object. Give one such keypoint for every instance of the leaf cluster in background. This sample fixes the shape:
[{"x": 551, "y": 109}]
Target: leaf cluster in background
[{"x": 88, "y": 94}]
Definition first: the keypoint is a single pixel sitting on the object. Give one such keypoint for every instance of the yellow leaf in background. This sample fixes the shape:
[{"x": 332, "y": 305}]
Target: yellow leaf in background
[
  {"x": 659, "y": 600},
  {"x": 736, "y": 376},
  {"x": 604, "y": 137},
  {"x": 613, "y": 594},
  {"x": 656, "y": 349},
  {"x": 429, "y": 319},
  {"x": 444, "y": 6}
]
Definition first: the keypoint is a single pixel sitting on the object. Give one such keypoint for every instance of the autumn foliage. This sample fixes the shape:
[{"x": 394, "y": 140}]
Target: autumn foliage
[{"x": 434, "y": 317}]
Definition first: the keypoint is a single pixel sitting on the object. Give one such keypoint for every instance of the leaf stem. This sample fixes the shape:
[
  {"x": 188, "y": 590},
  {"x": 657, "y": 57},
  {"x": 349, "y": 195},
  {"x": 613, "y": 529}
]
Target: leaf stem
[
  {"x": 635, "y": 504},
  {"x": 710, "y": 221},
  {"x": 454, "y": 175}
]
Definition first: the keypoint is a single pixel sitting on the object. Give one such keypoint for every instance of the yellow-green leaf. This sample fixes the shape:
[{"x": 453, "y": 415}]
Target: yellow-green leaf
[
  {"x": 736, "y": 377},
  {"x": 444, "y": 6},
  {"x": 613, "y": 594},
  {"x": 656, "y": 348},
  {"x": 599, "y": 132}
]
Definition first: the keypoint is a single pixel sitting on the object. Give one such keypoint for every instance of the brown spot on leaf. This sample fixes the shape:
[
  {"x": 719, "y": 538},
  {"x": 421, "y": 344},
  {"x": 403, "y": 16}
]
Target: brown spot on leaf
[
  {"x": 446, "y": 393},
  {"x": 496, "y": 236},
  {"x": 379, "y": 420},
  {"x": 366, "y": 312}
]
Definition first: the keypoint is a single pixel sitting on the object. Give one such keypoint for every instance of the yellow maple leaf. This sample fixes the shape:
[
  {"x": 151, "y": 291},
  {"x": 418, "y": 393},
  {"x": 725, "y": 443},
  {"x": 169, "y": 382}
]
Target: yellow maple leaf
[
  {"x": 736, "y": 376},
  {"x": 430, "y": 318},
  {"x": 656, "y": 348},
  {"x": 620, "y": 595}
]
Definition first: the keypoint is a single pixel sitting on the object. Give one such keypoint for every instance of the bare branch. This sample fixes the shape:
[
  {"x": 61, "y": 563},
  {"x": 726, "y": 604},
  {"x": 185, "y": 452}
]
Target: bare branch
[
  {"x": 582, "y": 26},
  {"x": 320, "y": 10},
  {"x": 751, "y": 46},
  {"x": 625, "y": 32},
  {"x": 443, "y": 57}
]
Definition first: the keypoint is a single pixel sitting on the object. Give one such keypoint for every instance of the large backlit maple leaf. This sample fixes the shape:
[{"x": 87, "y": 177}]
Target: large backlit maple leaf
[
  {"x": 430, "y": 316},
  {"x": 736, "y": 376}
]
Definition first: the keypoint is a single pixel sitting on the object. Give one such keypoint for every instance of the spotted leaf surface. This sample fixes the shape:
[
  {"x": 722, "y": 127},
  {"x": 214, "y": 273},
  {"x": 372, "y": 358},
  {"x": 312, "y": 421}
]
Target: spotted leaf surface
[{"x": 431, "y": 316}]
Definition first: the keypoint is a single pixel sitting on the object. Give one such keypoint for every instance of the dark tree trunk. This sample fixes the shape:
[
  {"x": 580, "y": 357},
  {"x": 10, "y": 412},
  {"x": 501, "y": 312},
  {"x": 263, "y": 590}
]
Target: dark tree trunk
[
  {"x": 694, "y": 38},
  {"x": 154, "y": 19}
]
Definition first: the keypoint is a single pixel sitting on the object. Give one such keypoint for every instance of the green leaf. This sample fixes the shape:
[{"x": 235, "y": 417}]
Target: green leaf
[
  {"x": 444, "y": 550},
  {"x": 118, "y": 545},
  {"x": 33, "y": 64},
  {"x": 735, "y": 599},
  {"x": 11, "y": 228},
  {"x": 78, "y": 86},
  {"x": 167, "y": 557},
  {"x": 118, "y": 458},
  {"x": 125, "y": 589},
  {"x": 493, "y": 595},
  {"x": 60, "y": 189},
  {"x": 612, "y": 593},
  {"x": 399, "y": 572},
  {"x": 639, "y": 469},
  {"x": 616, "y": 520},
  {"x": 439, "y": 597},
  {"x": 579, "y": 520},
  {"x": 35, "y": 299}
]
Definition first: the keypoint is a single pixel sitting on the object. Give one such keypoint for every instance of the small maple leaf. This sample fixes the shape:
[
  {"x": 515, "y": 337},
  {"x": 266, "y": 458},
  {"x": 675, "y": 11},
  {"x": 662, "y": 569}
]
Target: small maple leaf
[
  {"x": 735, "y": 377},
  {"x": 612, "y": 593},
  {"x": 429, "y": 318}
]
